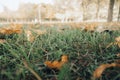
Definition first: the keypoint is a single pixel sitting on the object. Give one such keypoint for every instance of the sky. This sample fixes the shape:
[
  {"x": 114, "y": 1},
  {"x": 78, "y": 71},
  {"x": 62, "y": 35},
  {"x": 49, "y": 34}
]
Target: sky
[{"x": 14, "y": 4}]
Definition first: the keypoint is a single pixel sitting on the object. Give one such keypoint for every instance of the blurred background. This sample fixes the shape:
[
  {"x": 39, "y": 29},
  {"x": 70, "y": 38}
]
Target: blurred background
[{"x": 59, "y": 10}]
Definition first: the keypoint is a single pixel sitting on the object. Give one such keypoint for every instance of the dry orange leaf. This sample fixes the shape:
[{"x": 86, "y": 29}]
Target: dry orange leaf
[
  {"x": 17, "y": 31},
  {"x": 118, "y": 55},
  {"x": 29, "y": 35},
  {"x": 117, "y": 42},
  {"x": 2, "y": 41},
  {"x": 54, "y": 64},
  {"x": 117, "y": 39},
  {"x": 64, "y": 58},
  {"x": 98, "y": 72},
  {"x": 57, "y": 64},
  {"x": 118, "y": 61},
  {"x": 13, "y": 28},
  {"x": 40, "y": 32},
  {"x": 49, "y": 64},
  {"x": 90, "y": 27}
]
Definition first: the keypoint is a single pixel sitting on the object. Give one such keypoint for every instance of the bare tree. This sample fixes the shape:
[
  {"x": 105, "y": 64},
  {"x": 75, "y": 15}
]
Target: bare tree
[
  {"x": 28, "y": 10},
  {"x": 118, "y": 3},
  {"x": 119, "y": 14},
  {"x": 110, "y": 10},
  {"x": 69, "y": 10},
  {"x": 98, "y": 7}
]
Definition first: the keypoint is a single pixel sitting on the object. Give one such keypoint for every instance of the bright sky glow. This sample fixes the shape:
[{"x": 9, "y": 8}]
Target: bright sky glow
[{"x": 14, "y": 4}]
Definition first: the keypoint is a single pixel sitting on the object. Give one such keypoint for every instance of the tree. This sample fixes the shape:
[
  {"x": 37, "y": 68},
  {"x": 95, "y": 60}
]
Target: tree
[
  {"x": 69, "y": 10},
  {"x": 84, "y": 6},
  {"x": 97, "y": 13},
  {"x": 118, "y": 3},
  {"x": 28, "y": 10},
  {"x": 119, "y": 14},
  {"x": 49, "y": 12},
  {"x": 100, "y": 4},
  {"x": 110, "y": 10}
]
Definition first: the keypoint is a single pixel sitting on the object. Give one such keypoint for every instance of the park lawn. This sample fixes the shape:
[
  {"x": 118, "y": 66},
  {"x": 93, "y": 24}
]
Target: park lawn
[{"x": 85, "y": 50}]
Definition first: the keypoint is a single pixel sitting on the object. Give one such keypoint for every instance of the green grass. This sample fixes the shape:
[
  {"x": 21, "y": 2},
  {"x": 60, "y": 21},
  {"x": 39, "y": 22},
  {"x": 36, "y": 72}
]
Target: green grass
[{"x": 86, "y": 52}]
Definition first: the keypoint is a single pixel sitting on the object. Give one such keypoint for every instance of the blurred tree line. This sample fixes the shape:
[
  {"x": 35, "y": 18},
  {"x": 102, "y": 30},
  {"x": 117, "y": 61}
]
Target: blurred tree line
[{"x": 66, "y": 10}]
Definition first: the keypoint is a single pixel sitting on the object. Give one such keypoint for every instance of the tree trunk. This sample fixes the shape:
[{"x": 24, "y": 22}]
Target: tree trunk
[
  {"x": 110, "y": 11},
  {"x": 84, "y": 9},
  {"x": 84, "y": 12},
  {"x": 97, "y": 13},
  {"x": 119, "y": 14}
]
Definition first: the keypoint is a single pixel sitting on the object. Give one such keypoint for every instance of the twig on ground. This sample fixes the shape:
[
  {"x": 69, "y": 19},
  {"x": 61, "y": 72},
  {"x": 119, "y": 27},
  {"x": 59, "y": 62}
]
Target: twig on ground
[{"x": 31, "y": 70}]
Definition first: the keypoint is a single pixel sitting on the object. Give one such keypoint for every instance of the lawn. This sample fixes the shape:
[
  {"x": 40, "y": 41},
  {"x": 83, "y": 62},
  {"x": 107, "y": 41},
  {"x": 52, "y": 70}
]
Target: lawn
[{"x": 21, "y": 59}]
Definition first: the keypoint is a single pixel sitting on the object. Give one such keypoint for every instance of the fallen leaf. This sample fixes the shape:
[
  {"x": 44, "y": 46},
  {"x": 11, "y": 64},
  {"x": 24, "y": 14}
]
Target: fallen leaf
[
  {"x": 57, "y": 64},
  {"x": 118, "y": 54},
  {"x": 13, "y": 28},
  {"x": 2, "y": 41},
  {"x": 117, "y": 42},
  {"x": 118, "y": 61},
  {"x": 117, "y": 39},
  {"x": 49, "y": 64},
  {"x": 29, "y": 35},
  {"x": 64, "y": 58},
  {"x": 98, "y": 72}
]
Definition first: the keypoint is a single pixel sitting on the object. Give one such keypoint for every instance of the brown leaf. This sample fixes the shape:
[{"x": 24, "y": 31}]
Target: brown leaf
[
  {"x": 64, "y": 58},
  {"x": 117, "y": 39},
  {"x": 2, "y": 41},
  {"x": 11, "y": 29},
  {"x": 29, "y": 35},
  {"x": 118, "y": 54},
  {"x": 57, "y": 64},
  {"x": 98, "y": 72}
]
